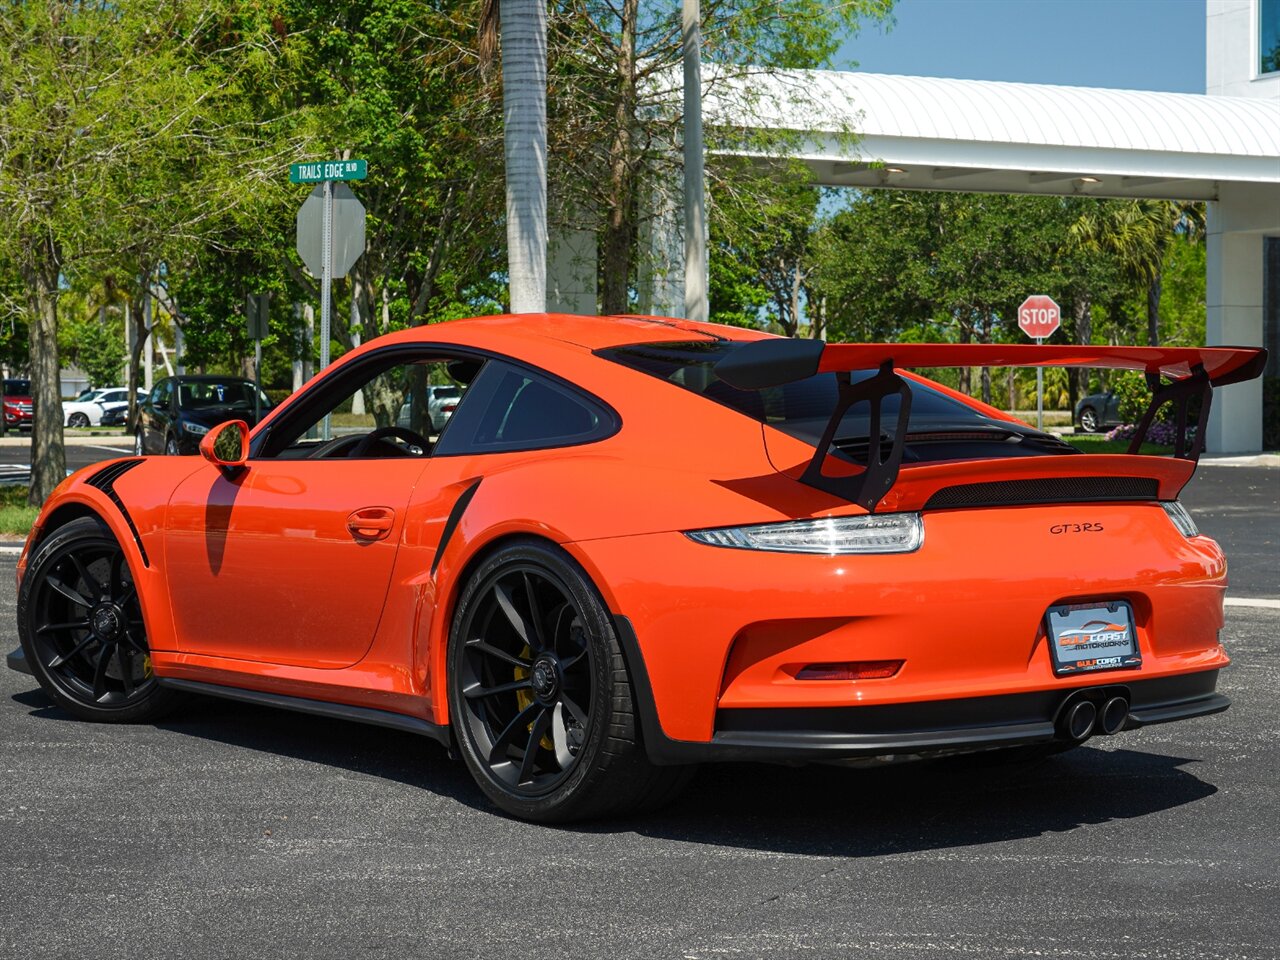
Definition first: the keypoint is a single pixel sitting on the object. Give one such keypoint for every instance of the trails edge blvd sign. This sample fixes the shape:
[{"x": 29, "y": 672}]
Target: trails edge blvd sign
[{"x": 322, "y": 170}]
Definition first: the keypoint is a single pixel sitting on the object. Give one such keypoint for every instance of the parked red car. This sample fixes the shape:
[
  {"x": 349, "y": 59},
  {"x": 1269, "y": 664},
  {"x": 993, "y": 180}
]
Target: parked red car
[{"x": 17, "y": 404}]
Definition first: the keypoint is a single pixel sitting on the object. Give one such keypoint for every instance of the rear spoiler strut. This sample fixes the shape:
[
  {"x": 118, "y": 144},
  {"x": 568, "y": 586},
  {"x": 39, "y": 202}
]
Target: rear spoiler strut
[{"x": 1192, "y": 371}]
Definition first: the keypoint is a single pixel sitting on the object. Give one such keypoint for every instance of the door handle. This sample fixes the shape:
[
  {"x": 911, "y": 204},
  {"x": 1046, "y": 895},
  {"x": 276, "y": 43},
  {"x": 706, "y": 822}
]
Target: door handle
[{"x": 371, "y": 523}]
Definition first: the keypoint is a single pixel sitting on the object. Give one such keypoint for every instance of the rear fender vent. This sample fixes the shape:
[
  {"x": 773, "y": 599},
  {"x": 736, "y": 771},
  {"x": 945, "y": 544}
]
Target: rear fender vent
[
  {"x": 105, "y": 480},
  {"x": 1002, "y": 493}
]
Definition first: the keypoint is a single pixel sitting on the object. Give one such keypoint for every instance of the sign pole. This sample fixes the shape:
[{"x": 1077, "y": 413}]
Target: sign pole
[
  {"x": 257, "y": 380},
  {"x": 1039, "y": 391},
  {"x": 326, "y": 279}
]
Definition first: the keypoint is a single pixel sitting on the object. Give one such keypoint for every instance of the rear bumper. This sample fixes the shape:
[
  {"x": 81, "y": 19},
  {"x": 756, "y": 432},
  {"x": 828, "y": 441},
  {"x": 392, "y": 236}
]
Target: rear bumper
[{"x": 936, "y": 727}]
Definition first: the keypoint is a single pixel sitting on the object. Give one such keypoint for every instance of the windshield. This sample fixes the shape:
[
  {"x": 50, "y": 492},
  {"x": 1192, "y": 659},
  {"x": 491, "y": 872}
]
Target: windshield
[
  {"x": 17, "y": 388},
  {"x": 218, "y": 393}
]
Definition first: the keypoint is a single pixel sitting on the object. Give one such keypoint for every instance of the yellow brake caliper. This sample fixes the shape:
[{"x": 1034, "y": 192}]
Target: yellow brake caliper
[{"x": 524, "y": 698}]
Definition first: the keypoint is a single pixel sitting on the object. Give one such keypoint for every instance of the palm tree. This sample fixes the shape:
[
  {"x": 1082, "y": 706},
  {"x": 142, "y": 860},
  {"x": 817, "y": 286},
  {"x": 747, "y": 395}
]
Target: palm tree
[
  {"x": 522, "y": 25},
  {"x": 1137, "y": 233}
]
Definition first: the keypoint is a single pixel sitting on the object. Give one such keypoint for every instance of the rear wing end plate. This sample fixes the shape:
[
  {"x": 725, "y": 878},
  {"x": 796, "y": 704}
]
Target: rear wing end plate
[{"x": 1191, "y": 372}]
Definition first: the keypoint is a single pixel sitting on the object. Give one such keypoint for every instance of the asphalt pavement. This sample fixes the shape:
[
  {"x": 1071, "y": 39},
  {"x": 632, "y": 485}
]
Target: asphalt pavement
[{"x": 235, "y": 831}]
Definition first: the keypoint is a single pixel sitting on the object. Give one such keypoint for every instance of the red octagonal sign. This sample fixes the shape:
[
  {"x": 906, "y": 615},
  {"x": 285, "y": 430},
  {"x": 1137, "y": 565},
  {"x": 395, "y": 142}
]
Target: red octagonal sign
[{"x": 1039, "y": 316}]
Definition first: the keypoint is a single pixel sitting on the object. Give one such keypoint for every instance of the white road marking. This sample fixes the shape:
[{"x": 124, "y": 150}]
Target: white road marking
[
  {"x": 94, "y": 446},
  {"x": 1252, "y": 602}
]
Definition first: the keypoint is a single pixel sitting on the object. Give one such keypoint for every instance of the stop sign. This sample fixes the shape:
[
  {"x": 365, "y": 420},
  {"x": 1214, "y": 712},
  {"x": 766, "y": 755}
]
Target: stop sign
[{"x": 1039, "y": 316}]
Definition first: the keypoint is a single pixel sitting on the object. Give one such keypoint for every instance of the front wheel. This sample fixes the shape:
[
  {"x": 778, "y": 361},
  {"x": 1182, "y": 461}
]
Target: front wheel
[
  {"x": 81, "y": 627},
  {"x": 539, "y": 697},
  {"x": 139, "y": 448},
  {"x": 78, "y": 420},
  {"x": 171, "y": 447}
]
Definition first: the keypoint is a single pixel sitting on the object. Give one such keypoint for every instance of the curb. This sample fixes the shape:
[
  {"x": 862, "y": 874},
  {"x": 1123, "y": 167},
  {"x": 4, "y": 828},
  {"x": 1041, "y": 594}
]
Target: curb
[{"x": 103, "y": 439}]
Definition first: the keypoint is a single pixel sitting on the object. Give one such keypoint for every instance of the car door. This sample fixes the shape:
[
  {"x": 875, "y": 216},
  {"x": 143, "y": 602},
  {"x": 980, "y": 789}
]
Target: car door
[
  {"x": 154, "y": 417},
  {"x": 289, "y": 561}
]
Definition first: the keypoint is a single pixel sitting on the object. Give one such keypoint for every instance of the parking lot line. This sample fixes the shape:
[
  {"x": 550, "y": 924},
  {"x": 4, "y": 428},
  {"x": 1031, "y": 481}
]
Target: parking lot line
[{"x": 1252, "y": 602}]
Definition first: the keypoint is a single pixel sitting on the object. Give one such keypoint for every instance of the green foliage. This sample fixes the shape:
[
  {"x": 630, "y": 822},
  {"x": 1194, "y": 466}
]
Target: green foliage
[
  {"x": 1131, "y": 388},
  {"x": 100, "y": 355}
]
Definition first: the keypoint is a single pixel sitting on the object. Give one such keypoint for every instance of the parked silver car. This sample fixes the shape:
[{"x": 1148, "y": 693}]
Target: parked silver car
[{"x": 441, "y": 402}]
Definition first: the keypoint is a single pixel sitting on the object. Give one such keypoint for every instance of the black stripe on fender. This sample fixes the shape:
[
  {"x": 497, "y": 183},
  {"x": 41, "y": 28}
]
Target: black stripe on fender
[
  {"x": 105, "y": 480},
  {"x": 455, "y": 517}
]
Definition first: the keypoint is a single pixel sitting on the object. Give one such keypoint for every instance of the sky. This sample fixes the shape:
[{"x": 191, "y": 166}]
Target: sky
[{"x": 1123, "y": 44}]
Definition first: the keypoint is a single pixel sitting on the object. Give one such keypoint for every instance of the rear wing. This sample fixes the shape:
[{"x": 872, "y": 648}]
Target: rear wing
[{"x": 1191, "y": 372}]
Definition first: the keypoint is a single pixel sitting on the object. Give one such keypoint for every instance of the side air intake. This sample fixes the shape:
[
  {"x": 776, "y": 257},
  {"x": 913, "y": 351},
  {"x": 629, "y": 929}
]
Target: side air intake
[{"x": 105, "y": 480}]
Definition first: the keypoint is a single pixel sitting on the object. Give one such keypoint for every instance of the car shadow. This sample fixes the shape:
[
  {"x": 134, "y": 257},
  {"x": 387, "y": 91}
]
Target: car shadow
[
  {"x": 355, "y": 747},
  {"x": 810, "y": 810},
  {"x": 955, "y": 802}
]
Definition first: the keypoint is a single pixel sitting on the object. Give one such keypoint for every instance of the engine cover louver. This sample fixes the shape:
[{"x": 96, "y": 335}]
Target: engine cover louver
[{"x": 1000, "y": 493}]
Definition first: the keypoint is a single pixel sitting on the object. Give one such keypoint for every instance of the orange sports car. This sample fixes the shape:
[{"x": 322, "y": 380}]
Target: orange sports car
[{"x": 639, "y": 544}]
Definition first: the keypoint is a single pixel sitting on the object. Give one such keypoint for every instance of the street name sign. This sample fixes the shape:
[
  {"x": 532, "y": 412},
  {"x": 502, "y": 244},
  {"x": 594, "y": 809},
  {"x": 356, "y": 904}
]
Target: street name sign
[
  {"x": 1039, "y": 317},
  {"x": 320, "y": 170}
]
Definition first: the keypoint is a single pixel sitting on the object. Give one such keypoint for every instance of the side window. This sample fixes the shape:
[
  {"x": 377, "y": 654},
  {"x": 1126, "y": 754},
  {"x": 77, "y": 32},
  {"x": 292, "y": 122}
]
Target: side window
[
  {"x": 154, "y": 398},
  {"x": 407, "y": 400},
  {"x": 516, "y": 409}
]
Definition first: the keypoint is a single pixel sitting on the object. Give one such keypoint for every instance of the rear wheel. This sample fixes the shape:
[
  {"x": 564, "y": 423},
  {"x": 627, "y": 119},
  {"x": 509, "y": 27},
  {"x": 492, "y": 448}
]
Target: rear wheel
[
  {"x": 81, "y": 627},
  {"x": 539, "y": 696},
  {"x": 1089, "y": 420}
]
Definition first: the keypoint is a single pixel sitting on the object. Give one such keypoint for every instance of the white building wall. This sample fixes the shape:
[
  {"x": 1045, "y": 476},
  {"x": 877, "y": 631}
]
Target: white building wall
[{"x": 1231, "y": 51}]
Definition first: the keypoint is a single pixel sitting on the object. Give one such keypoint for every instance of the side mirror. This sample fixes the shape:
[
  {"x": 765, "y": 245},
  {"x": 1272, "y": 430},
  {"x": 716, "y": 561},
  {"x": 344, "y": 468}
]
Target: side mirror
[{"x": 227, "y": 445}]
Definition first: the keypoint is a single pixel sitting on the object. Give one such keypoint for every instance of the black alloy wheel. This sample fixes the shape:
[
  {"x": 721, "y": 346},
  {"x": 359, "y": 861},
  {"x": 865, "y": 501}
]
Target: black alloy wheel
[
  {"x": 538, "y": 695},
  {"x": 171, "y": 447},
  {"x": 78, "y": 420},
  {"x": 82, "y": 629},
  {"x": 1089, "y": 420}
]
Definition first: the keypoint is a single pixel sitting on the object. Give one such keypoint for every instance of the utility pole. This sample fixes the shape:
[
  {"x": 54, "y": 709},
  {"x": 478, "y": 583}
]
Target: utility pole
[{"x": 696, "y": 306}]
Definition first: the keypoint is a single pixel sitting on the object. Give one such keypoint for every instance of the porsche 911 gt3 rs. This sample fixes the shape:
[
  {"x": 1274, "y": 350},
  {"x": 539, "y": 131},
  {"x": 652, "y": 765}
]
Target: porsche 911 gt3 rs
[{"x": 638, "y": 544}]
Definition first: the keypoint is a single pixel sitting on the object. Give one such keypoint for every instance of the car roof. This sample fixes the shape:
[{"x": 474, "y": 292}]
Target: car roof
[{"x": 571, "y": 330}]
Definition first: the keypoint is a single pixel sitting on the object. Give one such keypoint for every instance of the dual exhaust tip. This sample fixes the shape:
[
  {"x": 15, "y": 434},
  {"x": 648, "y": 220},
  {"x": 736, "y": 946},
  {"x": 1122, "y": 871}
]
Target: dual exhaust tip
[{"x": 1083, "y": 718}]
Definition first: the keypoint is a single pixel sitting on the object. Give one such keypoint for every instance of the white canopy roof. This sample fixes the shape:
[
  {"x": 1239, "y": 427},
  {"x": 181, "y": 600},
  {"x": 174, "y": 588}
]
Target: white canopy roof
[{"x": 978, "y": 135}]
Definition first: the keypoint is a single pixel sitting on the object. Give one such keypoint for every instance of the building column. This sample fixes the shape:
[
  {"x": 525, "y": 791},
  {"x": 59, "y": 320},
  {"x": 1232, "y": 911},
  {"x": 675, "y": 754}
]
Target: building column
[{"x": 1233, "y": 305}]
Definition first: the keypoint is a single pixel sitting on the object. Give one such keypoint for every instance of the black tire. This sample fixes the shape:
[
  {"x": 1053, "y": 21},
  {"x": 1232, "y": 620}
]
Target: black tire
[
  {"x": 139, "y": 447},
  {"x": 1089, "y": 420},
  {"x": 78, "y": 420},
  {"x": 171, "y": 446},
  {"x": 81, "y": 628},
  {"x": 507, "y": 677}
]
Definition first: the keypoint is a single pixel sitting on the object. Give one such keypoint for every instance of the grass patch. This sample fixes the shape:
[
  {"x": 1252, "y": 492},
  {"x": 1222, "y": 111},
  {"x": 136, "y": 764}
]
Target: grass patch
[
  {"x": 1098, "y": 443},
  {"x": 16, "y": 517}
]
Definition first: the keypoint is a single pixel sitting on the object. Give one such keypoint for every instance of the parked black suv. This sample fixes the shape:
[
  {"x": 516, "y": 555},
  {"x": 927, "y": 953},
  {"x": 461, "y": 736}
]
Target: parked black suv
[{"x": 180, "y": 410}]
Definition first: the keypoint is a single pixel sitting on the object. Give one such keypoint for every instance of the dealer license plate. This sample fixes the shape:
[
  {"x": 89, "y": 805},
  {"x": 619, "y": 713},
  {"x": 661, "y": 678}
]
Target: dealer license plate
[{"x": 1092, "y": 636}]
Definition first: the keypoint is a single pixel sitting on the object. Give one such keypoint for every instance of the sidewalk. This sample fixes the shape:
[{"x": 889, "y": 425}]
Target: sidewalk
[{"x": 121, "y": 440}]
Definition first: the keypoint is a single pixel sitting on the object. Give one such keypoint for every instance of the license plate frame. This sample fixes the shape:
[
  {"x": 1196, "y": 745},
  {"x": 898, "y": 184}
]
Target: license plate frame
[{"x": 1091, "y": 637}]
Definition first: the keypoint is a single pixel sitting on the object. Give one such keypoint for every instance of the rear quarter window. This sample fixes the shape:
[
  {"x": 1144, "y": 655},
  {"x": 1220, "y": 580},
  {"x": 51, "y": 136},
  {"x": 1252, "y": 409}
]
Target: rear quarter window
[{"x": 512, "y": 408}]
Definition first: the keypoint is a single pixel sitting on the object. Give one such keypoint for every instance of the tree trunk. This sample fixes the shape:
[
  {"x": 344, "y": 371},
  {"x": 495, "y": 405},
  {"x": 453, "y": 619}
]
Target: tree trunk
[
  {"x": 966, "y": 373},
  {"x": 48, "y": 455},
  {"x": 524, "y": 103},
  {"x": 1013, "y": 391},
  {"x": 1082, "y": 316},
  {"x": 1154, "y": 290},
  {"x": 620, "y": 220}
]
